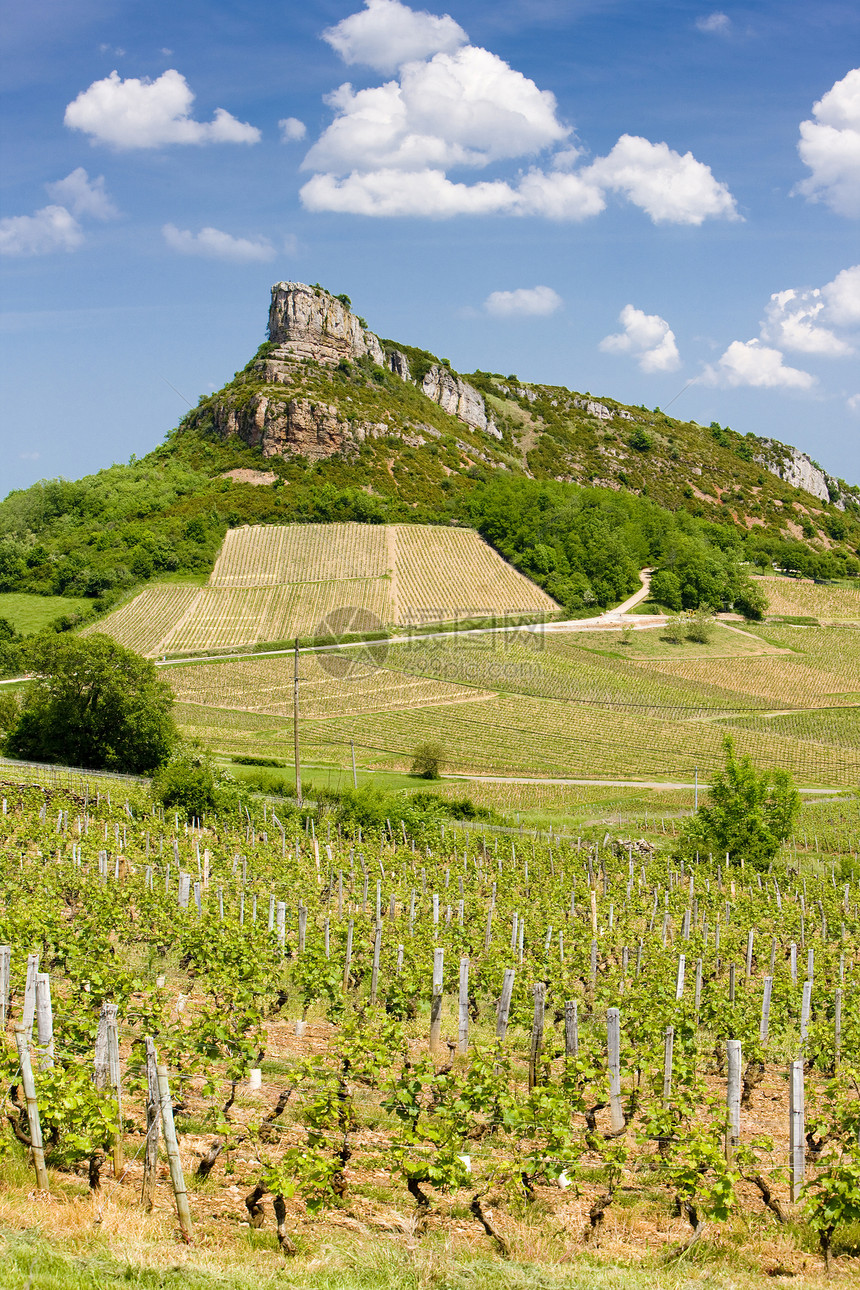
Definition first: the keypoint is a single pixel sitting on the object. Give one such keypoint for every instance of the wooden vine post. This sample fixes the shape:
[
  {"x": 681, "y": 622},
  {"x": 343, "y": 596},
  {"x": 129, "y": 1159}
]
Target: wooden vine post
[
  {"x": 463, "y": 1007},
  {"x": 436, "y": 1000},
  {"x": 537, "y": 1033},
  {"x": 150, "y": 1159},
  {"x": 505, "y": 1003},
  {"x": 733, "y": 1096},
  {"x": 613, "y": 1051},
  {"x": 174, "y": 1163},
  {"x": 36, "y": 1147},
  {"x": 797, "y": 1129}
]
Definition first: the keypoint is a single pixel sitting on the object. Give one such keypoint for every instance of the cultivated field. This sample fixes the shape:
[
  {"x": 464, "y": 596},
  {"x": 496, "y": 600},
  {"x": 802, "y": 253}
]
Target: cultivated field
[
  {"x": 550, "y": 705},
  {"x": 418, "y": 1057},
  {"x": 272, "y": 583},
  {"x": 265, "y": 555},
  {"x": 445, "y": 574},
  {"x": 799, "y": 596}
]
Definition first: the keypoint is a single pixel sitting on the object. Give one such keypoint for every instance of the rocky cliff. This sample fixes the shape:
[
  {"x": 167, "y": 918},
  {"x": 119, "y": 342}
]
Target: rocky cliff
[
  {"x": 796, "y": 469},
  {"x": 309, "y": 323}
]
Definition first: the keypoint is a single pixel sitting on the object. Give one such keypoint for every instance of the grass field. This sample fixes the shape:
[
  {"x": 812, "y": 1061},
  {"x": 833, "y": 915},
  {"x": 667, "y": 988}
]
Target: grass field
[{"x": 29, "y": 614}]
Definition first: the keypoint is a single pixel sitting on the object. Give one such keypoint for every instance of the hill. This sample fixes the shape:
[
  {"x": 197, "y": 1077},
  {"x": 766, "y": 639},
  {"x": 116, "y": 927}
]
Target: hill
[{"x": 329, "y": 423}]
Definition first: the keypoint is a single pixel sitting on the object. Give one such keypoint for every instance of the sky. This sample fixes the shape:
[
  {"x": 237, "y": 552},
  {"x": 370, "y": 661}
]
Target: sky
[{"x": 655, "y": 202}]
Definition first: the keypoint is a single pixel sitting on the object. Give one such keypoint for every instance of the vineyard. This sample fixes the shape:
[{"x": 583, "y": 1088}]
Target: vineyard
[
  {"x": 268, "y": 555},
  {"x": 799, "y": 596},
  {"x": 420, "y": 1039},
  {"x": 276, "y": 582},
  {"x": 548, "y": 704}
]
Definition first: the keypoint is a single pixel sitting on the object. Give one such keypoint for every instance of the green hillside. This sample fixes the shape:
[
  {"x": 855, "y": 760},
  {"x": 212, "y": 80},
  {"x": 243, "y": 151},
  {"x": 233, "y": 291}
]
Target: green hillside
[{"x": 577, "y": 492}]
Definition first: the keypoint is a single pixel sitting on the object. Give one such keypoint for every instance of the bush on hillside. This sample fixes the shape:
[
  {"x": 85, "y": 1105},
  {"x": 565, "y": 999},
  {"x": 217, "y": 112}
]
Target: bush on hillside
[{"x": 186, "y": 783}]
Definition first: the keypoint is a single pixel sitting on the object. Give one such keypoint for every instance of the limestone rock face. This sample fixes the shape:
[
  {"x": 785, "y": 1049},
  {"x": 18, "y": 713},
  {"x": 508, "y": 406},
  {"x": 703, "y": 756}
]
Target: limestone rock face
[
  {"x": 399, "y": 365},
  {"x": 306, "y": 322},
  {"x": 594, "y": 409},
  {"x": 794, "y": 468},
  {"x": 458, "y": 398},
  {"x": 296, "y": 427}
]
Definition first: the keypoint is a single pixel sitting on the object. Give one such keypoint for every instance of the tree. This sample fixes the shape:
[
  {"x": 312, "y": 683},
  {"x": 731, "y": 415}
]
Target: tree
[
  {"x": 666, "y": 589},
  {"x": 427, "y": 760},
  {"x": 94, "y": 704},
  {"x": 748, "y": 814}
]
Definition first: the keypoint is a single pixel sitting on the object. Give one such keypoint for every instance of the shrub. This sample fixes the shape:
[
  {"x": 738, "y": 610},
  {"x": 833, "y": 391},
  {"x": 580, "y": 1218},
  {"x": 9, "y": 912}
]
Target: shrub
[
  {"x": 186, "y": 783},
  {"x": 700, "y": 626}
]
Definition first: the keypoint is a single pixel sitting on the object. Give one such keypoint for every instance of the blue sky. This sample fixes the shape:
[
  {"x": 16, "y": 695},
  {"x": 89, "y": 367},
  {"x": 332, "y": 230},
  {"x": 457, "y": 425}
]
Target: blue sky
[{"x": 658, "y": 202}]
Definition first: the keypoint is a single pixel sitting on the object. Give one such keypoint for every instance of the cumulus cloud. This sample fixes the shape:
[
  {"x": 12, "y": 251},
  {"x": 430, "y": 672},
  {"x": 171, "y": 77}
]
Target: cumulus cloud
[
  {"x": 148, "y": 114},
  {"x": 842, "y": 298},
  {"x": 56, "y": 227},
  {"x": 406, "y": 192},
  {"x": 82, "y": 195},
  {"x": 292, "y": 129},
  {"x": 830, "y": 147},
  {"x": 669, "y": 187},
  {"x": 558, "y": 195},
  {"x": 647, "y": 336},
  {"x": 463, "y": 109},
  {"x": 715, "y": 24},
  {"x": 215, "y": 245},
  {"x": 752, "y": 363},
  {"x": 390, "y": 147},
  {"x": 528, "y": 302},
  {"x": 387, "y": 34},
  {"x": 805, "y": 320},
  {"x": 52, "y": 228}
]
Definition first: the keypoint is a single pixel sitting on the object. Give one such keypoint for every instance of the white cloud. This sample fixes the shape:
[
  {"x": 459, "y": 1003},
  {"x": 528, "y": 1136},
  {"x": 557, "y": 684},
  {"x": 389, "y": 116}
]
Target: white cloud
[
  {"x": 559, "y": 195},
  {"x": 716, "y": 24},
  {"x": 82, "y": 195},
  {"x": 854, "y": 403},
  {"x": 387, "y": 34},
  {"x": 148, "y": 114},
  {"x": 292, "y": 129},
  {"x": 649, "y": 337},
  {"x": 215, "y": 245},
  {"x": 842, "y": 298},
  {"x": 528, "y": 302},
  {"x": 751, "y": 363},
  {"x": 405, "y": 192},
  {"x": 799, "y": 319},
  {"x": 464, "y": 109},
  {"x": 830, "y": 147},
  {"x": 52, "y": 228},
  {"x": 669, "y": 187},
  {"x": 390, "y": 147}
]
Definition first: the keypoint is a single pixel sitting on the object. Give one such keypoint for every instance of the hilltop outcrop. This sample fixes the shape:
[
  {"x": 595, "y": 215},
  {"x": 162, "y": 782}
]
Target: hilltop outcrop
[
  {"x": 394, "y": 417},
  {"x": 309, "y": 323}
]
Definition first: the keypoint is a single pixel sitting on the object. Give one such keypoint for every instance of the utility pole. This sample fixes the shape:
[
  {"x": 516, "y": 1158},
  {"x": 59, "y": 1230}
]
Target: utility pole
[
  {"x": 354, "y": 776},
  {"x": 697, "y": 789},
  {"x": 296, "y": 722}
]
